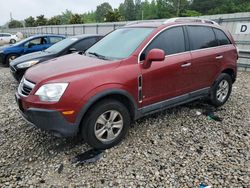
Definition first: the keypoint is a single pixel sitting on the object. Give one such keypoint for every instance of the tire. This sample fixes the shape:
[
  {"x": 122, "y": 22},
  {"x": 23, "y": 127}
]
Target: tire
[
  {"x": 98, "y": 124},
  {"x": 10, "y": 58},
  {"x": 221, "y": 90},
  {"x": 12, "y": 41}
]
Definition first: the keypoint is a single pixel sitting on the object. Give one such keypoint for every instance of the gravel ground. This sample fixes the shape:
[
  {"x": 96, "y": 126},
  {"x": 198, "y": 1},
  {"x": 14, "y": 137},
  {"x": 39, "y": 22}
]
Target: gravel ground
[{"x": 175, "y": 148}]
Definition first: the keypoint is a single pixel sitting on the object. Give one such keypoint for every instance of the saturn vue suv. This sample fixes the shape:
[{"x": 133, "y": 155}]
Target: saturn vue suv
[{"x": 136, "y": 70}]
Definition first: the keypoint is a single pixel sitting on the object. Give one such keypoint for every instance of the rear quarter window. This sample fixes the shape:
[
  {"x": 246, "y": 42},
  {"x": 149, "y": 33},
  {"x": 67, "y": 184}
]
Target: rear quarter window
[
  {"x": 221, "y": 37},
  {"x": 54, "y": 40},
  {"x": 201, "y": 37}
]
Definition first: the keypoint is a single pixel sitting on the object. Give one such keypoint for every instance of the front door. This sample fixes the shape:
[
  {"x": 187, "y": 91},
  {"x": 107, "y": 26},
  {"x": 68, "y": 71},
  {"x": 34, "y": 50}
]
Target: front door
[{"x": 169, "y": 78}]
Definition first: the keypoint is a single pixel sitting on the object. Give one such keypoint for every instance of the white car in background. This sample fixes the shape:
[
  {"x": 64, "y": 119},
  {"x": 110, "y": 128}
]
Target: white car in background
[{"x": 8, "y": 38}]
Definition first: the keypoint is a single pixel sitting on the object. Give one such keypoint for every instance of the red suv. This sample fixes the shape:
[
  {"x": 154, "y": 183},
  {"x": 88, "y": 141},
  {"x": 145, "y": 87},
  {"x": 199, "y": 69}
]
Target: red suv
[{"x": 134, "y": 71}]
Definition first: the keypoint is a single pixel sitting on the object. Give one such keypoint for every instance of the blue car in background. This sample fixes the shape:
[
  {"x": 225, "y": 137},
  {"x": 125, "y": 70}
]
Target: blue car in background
[{"x": 28, "y": 45}]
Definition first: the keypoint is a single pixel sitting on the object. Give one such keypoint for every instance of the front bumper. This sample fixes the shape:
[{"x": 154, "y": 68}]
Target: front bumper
[
  {"x": 17, "y": 73},
  {"x": 50, "y": 120}
]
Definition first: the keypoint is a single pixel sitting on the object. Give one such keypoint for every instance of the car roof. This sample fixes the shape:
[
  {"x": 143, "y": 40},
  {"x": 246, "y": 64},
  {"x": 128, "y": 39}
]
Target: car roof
[
  {"x": 46, "y": 35},
  {"x": 171, "y": 21},
  {"x": 86, "y": 36}
]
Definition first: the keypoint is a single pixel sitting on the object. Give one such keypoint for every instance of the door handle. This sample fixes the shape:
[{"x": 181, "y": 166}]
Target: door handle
[
  {"x": 186, "y": 65},
  {"x": 219, "y": 57}
]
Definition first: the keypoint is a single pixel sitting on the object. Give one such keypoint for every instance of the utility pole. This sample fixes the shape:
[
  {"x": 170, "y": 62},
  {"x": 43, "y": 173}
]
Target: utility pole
[
  {"x": 178, "y": 7},
  {"x": 142, "y": 15},
  {"x": 11, "y": 16}
]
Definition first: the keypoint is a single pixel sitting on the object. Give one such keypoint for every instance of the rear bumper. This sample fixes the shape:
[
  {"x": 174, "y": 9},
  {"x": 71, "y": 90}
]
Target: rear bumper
[
  {"x": 1, "y": 58},
  {"x": 49, "y": 120}
]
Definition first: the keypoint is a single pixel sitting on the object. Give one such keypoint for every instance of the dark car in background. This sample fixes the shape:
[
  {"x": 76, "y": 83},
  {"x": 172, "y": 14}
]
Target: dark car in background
[
  {"x": 67, "y": 46},
  {"x": 28, "y": 45}
]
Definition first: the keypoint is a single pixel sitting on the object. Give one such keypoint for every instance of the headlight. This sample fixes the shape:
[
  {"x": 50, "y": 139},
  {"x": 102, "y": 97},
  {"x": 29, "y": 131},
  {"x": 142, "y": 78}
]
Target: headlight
[
  {"x": 27, "y": 64},
  {"x": 1, "y": 51},
  {"x": 51, "y": 92}
]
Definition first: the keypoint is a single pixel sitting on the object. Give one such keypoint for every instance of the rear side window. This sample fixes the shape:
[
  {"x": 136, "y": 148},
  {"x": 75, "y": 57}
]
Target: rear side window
[
  {"x": 172, "y": 41},
  {"x": 201, "y": 37},
  {"x": 84, "y": 44},
  {"x": 54, "y": 40},
  {"x": 221, "y": 37}
]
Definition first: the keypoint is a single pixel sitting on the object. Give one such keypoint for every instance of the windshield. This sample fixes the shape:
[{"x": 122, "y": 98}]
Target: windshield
[
  {"x": 59, "y": 46},
  {"x": 119, "y": 44}
]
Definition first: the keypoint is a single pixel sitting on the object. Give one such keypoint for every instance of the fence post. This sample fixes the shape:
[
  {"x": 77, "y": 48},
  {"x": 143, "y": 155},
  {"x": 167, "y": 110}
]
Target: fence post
[
  {"x": 97, "y": 29},
  {"x": 73, "y": 30},
  {"x": 83, "y": 29},
  {"x": 65, "y": 30}
]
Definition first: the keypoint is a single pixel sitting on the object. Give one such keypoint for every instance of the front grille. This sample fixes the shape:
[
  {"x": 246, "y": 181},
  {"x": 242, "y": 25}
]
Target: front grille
[{"x": 25, "y": 87}]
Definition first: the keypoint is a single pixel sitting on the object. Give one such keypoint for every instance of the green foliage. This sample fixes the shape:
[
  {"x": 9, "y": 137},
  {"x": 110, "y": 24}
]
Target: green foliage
[
  {"x": 101, "y": 11},
  {"x": 76, "y": 19},
  {"x": 65, "y": 17},
  {"x": 30, "y": 22},
  {"x": 41, "y": 20},
  {"x": 55, "y": 20},
  {"x": 89, "y": 17},
  {"x": 113, "y": 16},
  {"x": 15, "y": 24},
  {"x": 141, "y": 9},
  {"x": 129, "y": 10},
  {"x": 190, "y": 13}
]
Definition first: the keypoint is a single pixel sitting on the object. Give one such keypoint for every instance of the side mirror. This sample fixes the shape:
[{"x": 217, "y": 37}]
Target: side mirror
[
  {"x": 153, "y": 55},
  {"x": 72, "y": 50}
]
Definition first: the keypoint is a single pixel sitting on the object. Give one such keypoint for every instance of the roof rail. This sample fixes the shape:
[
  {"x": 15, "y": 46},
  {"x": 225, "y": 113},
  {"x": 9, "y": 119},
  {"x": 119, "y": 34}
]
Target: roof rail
[
  {"x": 190, "y": 19},
  {"x": 144, "y": 21}
]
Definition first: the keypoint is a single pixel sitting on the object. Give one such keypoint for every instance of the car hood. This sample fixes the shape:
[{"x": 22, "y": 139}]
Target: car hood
[
  {"x": 65, "y": 66},
  {"x": 32, "y": 56}
]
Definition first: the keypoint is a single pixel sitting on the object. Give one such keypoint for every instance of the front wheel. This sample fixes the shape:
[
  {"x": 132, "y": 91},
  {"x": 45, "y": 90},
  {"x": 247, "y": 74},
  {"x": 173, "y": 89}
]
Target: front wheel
[
  {"x": 221, "y": 90},
  {"x": 105, "y": 124}
]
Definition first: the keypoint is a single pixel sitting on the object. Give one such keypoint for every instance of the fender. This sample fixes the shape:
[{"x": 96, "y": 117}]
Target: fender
[{"x": 102, "y": 94}]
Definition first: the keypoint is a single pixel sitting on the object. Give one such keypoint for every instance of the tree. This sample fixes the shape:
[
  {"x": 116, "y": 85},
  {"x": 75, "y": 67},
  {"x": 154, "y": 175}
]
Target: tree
[
  {"x": 102, "y": 10},
  {"x": 15, "y": 24},
  {"x": 76, "y": 19},
  {"x": 65, "y": 17},
  {"x": 30, "y": 22},
  {"x": 89, "y": 17},
  {"x": 129, "y": 10},
  {"x": 55, "y": 20},
  {"x": 113, "y": 16},
  {"x": 41, "y": 20},
  {"x": 122, "y": 11}
]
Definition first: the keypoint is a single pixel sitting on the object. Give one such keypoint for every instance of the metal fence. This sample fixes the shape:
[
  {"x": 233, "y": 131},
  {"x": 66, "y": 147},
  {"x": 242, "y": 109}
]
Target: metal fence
[{"x": 233, "y": 22}]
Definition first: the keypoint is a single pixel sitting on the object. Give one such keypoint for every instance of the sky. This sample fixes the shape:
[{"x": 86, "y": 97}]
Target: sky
[{"x": 22, "y": 9}]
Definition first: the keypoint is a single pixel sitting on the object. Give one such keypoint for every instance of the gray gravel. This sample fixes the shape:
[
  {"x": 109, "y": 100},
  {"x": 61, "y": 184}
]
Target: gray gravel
[{"x": 175, "y": 148}]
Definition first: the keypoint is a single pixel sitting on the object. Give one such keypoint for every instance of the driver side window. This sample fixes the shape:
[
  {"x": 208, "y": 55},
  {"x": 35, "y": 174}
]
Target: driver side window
[
  {"x": 33, "y": 42},
  {"x": 172, "y": 41}
]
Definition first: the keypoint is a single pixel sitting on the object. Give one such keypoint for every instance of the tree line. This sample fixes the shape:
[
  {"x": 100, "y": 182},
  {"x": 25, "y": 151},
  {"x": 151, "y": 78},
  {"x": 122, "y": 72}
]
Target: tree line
[{"x": 137, "y": 10}]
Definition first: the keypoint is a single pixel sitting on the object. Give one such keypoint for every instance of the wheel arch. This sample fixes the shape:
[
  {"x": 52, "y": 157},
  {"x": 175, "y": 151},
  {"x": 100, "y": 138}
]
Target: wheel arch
[
  {"x": 118, "y": 94},
  {"x": 231, "y": 72}
]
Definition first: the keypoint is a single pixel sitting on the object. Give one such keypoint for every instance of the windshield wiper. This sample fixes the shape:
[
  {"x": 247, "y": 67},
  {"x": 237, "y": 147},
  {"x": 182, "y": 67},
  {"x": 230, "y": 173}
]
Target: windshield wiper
[{"x": 98, "y": 55}]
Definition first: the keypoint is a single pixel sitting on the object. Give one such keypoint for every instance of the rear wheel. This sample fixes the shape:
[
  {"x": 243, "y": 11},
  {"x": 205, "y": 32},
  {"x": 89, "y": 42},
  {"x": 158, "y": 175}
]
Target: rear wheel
[
  {"x": 221, "y": 90},
  {"x": 12, "y": 41},
  {"x": 10, "y": 58},
  {"x": 106, "y": 124}
]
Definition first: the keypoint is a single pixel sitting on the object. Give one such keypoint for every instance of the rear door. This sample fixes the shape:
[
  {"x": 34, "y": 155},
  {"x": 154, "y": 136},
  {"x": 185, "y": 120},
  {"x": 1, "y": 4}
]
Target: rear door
[
  {"x": 205, "y": 64},
  {"x": 171, "y": 77}
]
